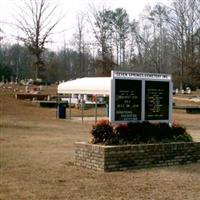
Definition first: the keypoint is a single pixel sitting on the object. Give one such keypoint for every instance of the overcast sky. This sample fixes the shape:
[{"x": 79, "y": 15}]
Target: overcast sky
[{"x": 70, "y": 8}]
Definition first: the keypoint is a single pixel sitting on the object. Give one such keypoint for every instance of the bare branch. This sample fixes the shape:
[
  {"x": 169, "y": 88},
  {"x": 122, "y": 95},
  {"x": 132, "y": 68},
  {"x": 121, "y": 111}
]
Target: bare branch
[{"x": 36, "y": 22}]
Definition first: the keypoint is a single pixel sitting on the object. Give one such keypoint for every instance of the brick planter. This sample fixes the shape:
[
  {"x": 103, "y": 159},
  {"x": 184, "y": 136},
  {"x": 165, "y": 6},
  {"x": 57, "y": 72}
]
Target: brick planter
[{"x": 125, "y": 157}]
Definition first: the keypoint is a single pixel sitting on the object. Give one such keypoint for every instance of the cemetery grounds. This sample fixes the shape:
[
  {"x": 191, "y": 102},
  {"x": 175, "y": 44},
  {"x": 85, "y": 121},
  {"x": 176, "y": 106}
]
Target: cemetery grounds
[{"x": 37, "y": 157}]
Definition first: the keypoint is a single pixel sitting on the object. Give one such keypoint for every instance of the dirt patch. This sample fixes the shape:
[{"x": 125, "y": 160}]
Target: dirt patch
[{"x": 37, "y": 160}]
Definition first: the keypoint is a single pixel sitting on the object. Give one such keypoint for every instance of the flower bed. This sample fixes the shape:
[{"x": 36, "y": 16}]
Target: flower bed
[
  {"x": 103, "y": 132},
  {"x": 136, "y": 145},
  {"x": 125, "y": 157}
]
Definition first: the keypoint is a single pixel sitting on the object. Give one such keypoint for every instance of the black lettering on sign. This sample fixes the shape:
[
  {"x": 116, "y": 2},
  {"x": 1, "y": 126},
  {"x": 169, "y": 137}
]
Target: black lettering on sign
[
  {"x": 156, "y": 100},
  {"x": 128, "y": 100}
]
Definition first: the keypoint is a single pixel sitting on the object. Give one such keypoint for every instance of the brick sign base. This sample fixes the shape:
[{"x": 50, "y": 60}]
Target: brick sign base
[{"x": 126, "y": 157}]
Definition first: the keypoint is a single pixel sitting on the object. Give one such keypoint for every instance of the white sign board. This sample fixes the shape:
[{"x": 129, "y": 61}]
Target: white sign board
[{"x": 140, "y": 97}]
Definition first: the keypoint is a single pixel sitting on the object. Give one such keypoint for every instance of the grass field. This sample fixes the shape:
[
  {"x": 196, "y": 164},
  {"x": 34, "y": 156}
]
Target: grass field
[{"x": 37, "y": 159}]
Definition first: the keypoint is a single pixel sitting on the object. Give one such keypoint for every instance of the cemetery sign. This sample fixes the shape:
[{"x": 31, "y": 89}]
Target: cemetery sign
[{"x": 140, "y": 97}]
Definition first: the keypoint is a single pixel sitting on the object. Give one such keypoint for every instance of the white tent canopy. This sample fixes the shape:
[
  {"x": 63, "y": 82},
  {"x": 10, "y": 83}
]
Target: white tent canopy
[{"x": 87, "y": 85}]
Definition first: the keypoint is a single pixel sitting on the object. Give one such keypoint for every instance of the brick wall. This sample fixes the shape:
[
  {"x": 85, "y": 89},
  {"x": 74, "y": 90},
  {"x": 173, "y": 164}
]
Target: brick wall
[{"x": 124, "y": 157}]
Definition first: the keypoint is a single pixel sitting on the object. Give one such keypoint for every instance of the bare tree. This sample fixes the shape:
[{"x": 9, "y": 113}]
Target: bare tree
[
  {"x": 184, "y": 21},
  {"x": 1, "y": 35},
  {"x": 157, "y": 17},
  {"x": 136, "y": 46},
  {"x": 37, "y": 20},
  {"x": 101, "y": 23},
  {"x": 120, "y": 22},
  {"x": 79, "y": 42}
]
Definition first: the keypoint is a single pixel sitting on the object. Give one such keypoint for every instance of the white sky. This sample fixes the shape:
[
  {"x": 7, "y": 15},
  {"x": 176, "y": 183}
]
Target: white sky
[{"x": 64, "y": 31}]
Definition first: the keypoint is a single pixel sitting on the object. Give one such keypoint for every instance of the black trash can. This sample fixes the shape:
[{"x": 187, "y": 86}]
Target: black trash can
[{"x": 61, "y": 111}]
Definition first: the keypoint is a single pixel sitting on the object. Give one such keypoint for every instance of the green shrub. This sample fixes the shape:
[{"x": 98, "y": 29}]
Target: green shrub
[{"x": 184, "y": 138}]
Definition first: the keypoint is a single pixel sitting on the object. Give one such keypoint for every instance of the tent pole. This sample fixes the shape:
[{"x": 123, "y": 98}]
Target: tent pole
[
  {"x": 96, "y": 109},
  {"x": 82, "y": 109},
  {"x": 58, "y": 104},
  {"x": 70, "y": 106}
]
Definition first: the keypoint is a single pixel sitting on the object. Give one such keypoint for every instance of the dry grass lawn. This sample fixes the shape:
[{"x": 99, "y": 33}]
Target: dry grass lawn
[{"x": 37, "y": 156}]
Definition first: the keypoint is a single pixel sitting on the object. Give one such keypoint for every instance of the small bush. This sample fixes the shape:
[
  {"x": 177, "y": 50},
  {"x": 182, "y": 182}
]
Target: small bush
[
  {"x": 184, "y": 138},
  {"x": 121, "y": 132},
  {"x": 178, "y": 130},
  {"x": 135, "y": 133},
  {"x": 101, "y": 131}
]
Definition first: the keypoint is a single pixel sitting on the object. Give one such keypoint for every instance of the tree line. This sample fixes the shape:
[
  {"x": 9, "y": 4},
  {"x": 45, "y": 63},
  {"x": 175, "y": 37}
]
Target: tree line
[{"x": 166, "y": 39}]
